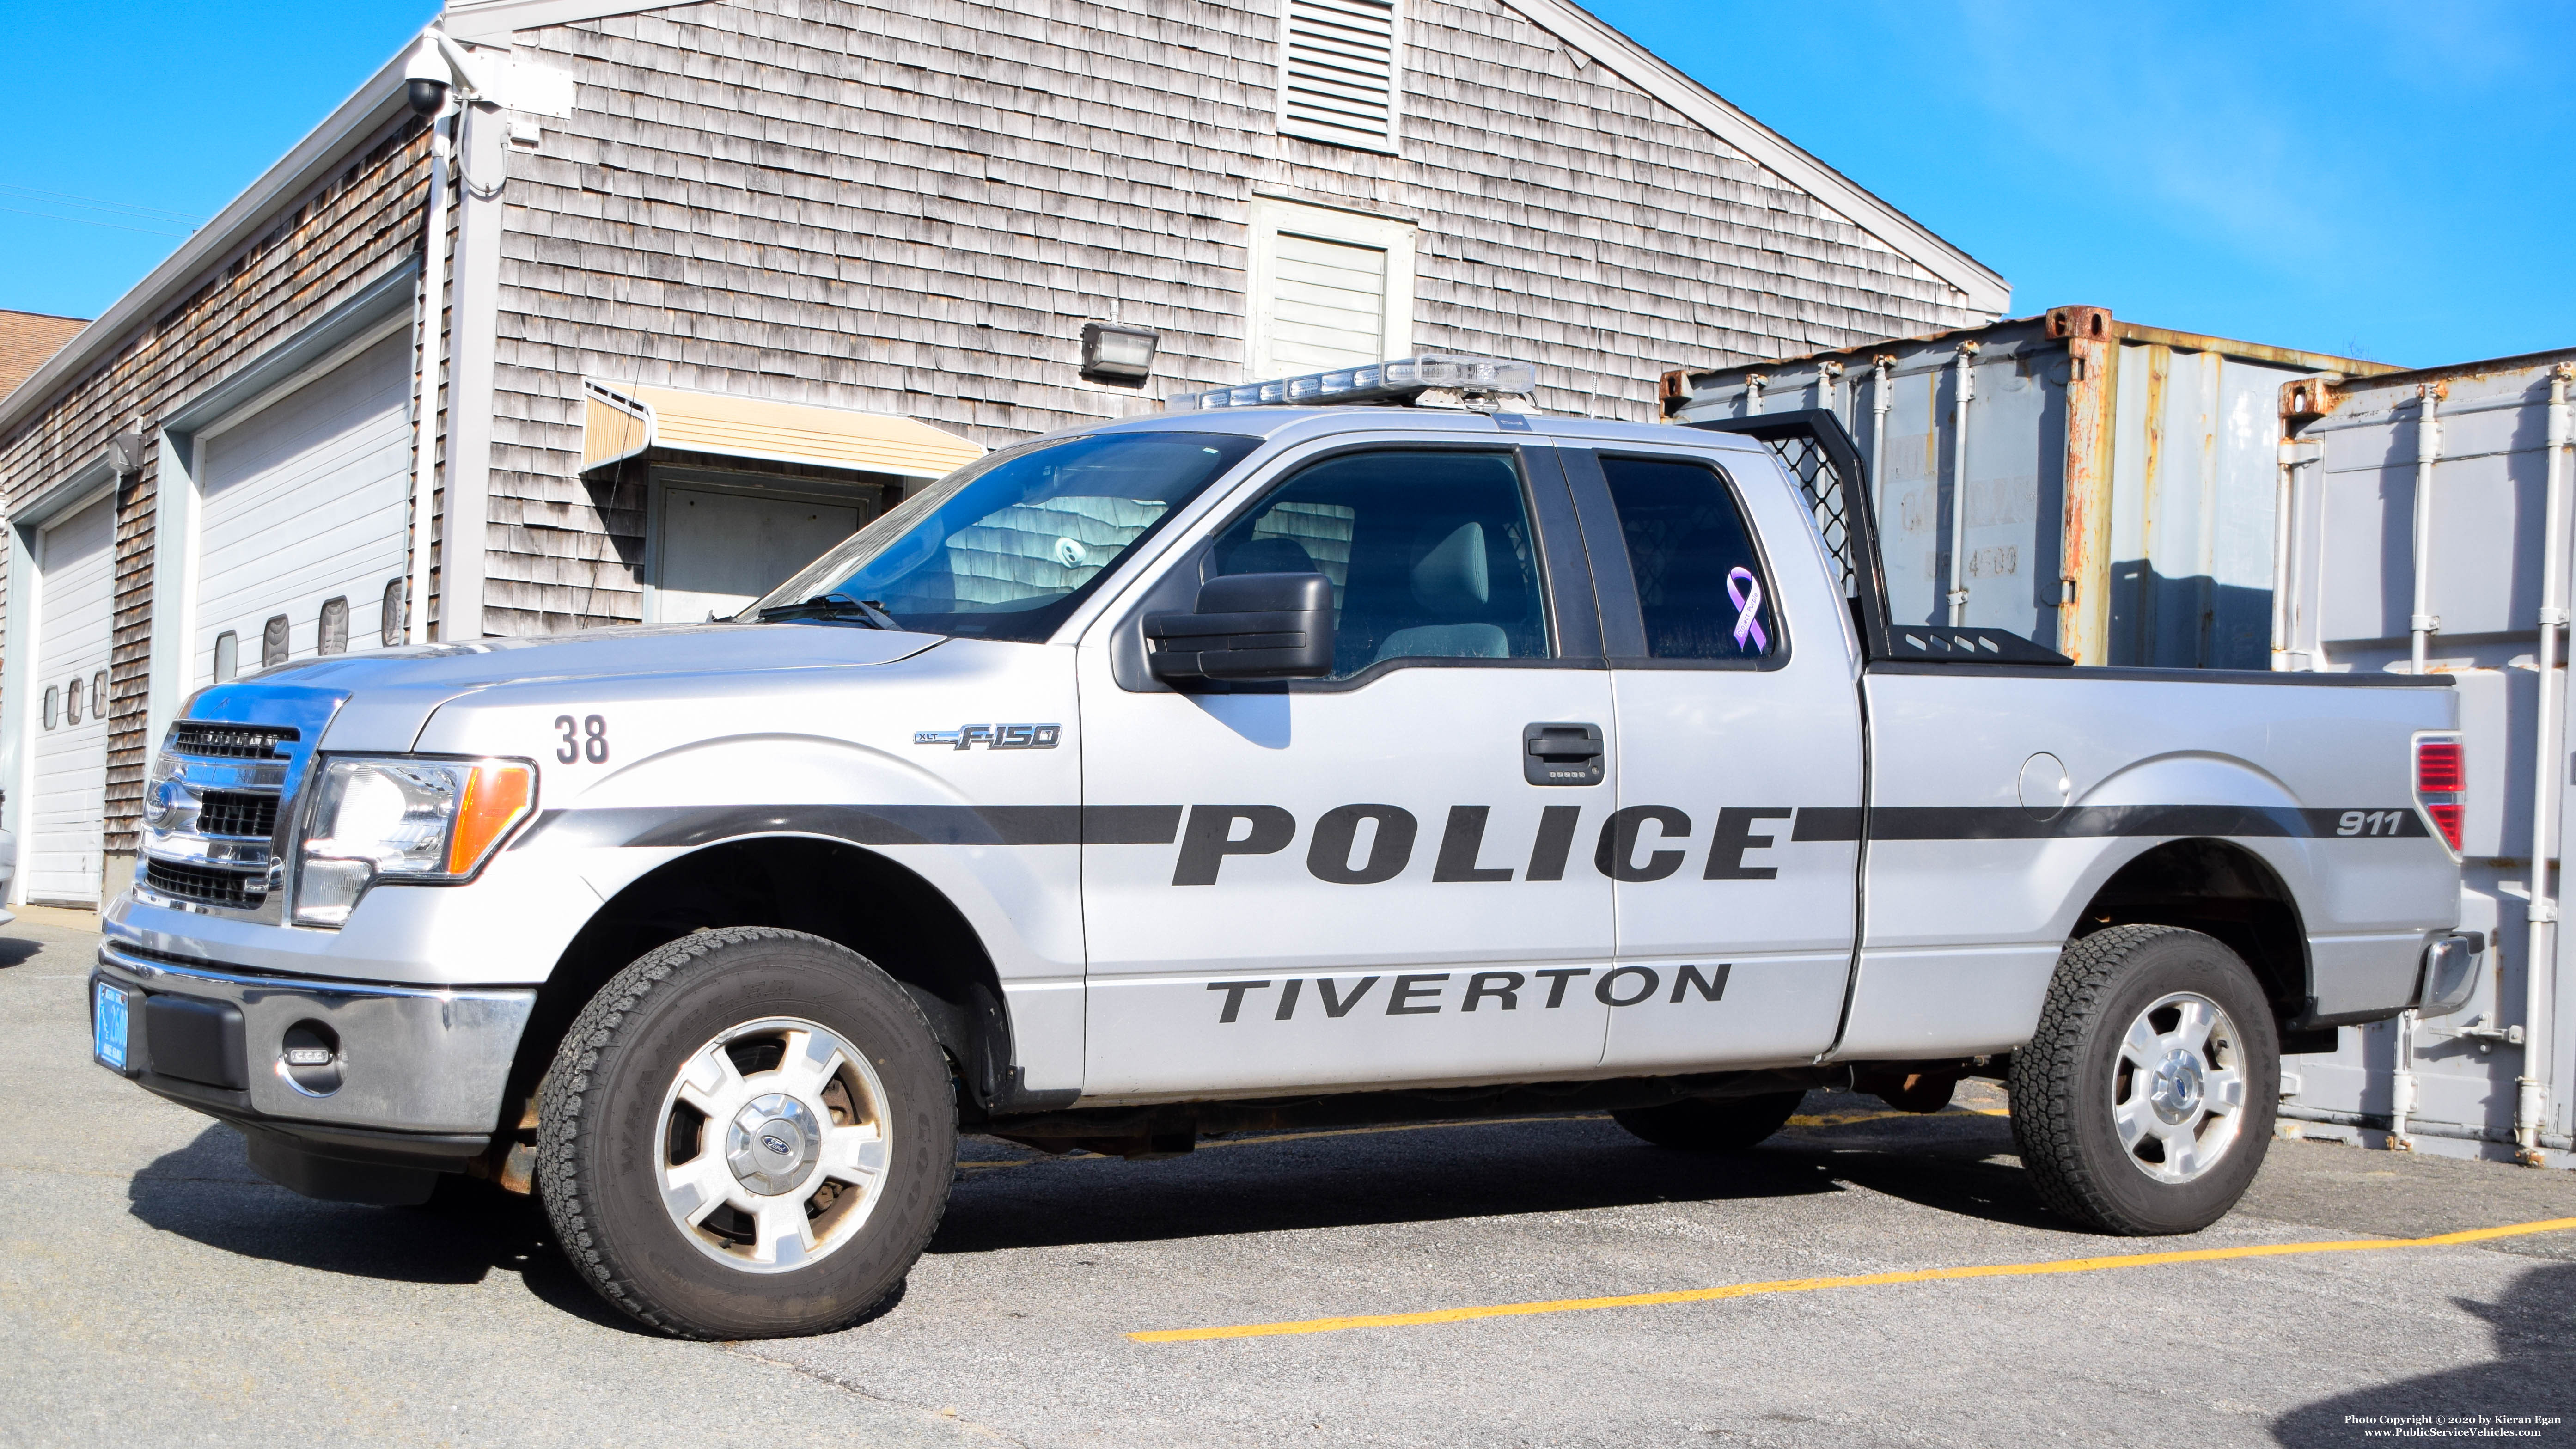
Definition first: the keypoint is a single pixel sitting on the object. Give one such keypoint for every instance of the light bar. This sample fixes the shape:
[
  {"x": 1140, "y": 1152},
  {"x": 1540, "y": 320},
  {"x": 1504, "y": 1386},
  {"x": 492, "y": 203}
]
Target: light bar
[{"x": 1402, "y": 380}]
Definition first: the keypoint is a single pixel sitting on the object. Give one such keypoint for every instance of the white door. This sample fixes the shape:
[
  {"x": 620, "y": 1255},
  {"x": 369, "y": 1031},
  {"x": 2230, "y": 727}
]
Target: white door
[
  {"x": 302, "y": 548},
  {"x": 722, "y": 550},
  {"x": 1352, "y": 881},
  {"x": 75, "y": 609},
  {"x": 1737, "y": 836}
]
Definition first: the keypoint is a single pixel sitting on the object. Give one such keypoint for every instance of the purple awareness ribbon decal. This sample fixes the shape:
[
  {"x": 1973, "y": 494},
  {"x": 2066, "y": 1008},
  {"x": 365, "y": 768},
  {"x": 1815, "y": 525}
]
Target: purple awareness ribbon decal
[{"x": 1748, "y": 608}]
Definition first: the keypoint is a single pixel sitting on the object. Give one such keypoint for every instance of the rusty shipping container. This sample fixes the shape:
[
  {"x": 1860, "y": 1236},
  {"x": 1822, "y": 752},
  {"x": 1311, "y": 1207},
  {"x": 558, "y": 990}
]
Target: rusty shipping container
[
  {"x": 2120, "y": 480},
  {"x": 2432, "y": 530}
]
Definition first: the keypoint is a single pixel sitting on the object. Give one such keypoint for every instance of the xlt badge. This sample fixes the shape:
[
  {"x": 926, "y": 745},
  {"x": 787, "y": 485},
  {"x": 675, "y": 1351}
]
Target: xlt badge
[{"x": 993, "y": 736}]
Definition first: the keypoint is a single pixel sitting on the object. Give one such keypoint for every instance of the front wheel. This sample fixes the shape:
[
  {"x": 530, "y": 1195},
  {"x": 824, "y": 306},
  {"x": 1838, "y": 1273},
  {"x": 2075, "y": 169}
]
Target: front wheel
[
  {"x": 2144, "y": 1103},
  {"x": 748, "y": 1133}
]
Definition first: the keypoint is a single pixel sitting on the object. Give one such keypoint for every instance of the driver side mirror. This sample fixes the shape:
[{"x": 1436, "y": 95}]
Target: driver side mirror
[{"x": 1247, "y": 626}]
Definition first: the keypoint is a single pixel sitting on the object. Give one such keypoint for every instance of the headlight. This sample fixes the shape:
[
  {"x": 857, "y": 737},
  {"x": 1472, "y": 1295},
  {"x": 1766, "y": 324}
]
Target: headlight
[{"x": 402, "y": 820}]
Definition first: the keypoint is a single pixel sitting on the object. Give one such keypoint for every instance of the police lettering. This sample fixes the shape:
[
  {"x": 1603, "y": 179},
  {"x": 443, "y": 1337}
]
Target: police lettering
[{"x": 1372, "y": 844}]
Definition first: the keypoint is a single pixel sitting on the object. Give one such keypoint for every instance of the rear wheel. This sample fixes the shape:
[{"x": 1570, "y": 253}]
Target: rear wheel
[
  {"x": 747, "y": 1133},
  {"x": 1722, "y": 1124},
  {"x": 2144, "y": 1103}
]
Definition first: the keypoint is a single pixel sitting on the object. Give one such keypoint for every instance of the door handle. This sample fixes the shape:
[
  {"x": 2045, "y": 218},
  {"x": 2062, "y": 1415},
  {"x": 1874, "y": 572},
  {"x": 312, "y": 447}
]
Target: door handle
[{"x": 1563, "y": 754}]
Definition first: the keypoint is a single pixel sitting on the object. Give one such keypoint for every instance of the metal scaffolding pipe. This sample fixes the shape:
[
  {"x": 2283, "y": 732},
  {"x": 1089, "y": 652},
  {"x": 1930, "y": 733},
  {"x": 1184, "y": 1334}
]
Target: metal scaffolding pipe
[
  {"x": 2428, "y": 447},
  {"x": 1882, "y": 368},
  {"x": 1964, "y": 393},
  {"x": 2540, "y": 954}
]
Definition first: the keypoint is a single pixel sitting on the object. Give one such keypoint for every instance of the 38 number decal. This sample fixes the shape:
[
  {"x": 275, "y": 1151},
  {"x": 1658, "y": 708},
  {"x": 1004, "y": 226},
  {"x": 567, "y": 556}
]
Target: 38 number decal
[{"x": 583, "y": 739}]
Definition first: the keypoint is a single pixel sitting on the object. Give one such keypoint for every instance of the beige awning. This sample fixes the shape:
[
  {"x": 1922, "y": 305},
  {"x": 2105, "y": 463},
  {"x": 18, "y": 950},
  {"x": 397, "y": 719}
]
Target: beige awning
[{"x": 621, "y": 421}]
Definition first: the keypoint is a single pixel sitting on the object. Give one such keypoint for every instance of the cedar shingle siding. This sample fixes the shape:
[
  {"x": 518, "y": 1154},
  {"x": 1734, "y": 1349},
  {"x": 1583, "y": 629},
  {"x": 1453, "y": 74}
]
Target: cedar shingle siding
[
  {"x": 913, "y": 209},
  {"x": 359, "y": 223}
]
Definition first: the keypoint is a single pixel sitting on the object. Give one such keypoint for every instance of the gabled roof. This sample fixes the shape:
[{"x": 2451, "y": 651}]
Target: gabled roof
[
  {"x": 27, "y": 339},
  {"x": 1986, "y": 291}
]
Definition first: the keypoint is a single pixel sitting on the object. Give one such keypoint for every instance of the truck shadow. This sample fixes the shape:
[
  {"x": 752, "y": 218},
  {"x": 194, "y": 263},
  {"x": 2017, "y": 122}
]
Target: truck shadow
[
  {"x": 1296, "y": 1181},
  {"x": 18, "y": 951},
  {"x": 206, "y": 1192},
  {"x": 2529, "y": 1378}
]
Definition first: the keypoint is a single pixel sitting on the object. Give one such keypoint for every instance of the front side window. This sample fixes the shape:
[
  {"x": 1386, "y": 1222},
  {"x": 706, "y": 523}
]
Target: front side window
[
  {"x": 1430, "y": 554},
  {"x": 1007, "y": 546},
  {"x": 1700, "y": 582}
]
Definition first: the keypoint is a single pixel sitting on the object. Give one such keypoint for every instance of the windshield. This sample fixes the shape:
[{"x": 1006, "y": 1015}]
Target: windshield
[{"x": 1005, "y": 547}]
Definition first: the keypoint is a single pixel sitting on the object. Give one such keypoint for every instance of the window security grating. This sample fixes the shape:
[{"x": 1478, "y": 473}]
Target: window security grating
[
  {"x": 1339, "y": 80},
  {"x": 1822, "y": 486}
]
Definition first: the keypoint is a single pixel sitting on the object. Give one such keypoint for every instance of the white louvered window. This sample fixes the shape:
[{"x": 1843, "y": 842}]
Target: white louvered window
[
  {"x": 1338, "y": 78},
  {"x": 1329, "y": 289}
]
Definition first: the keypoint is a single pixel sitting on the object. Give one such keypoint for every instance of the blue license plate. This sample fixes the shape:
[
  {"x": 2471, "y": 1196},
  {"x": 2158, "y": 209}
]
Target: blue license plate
[{"x": 107, "y": 1026}]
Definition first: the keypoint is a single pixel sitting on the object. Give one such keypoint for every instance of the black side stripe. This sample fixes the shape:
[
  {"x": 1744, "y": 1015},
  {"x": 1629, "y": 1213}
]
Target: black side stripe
[
  {"x": 654, "y": 825},
  {"x": 692, "y": 825},
  {"x": 1986, "y": 822}
]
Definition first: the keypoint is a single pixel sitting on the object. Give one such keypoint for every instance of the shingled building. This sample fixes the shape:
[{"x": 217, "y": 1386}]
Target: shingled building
[{"x": 661, "y": 300}]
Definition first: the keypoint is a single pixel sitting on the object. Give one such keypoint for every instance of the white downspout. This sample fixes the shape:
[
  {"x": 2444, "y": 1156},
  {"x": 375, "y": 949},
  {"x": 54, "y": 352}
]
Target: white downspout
[
  {"x": 1963, "y": 394},
  {"x": 1826, "y": 373},
  {"x": 1753, "y": 382},
  {"x": 2540, "y": 955},
  {"x": 2428, "y": 446},
  {"x": 429, "y": 327}
]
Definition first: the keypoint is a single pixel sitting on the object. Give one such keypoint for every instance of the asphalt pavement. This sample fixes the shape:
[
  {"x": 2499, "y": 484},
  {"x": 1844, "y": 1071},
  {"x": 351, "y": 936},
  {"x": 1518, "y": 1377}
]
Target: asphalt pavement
[{"x": 1866, "y": 1279}]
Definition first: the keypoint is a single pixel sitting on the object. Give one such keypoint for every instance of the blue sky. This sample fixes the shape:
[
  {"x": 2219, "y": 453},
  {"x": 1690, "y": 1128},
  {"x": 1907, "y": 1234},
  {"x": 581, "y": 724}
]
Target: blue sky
[{"x": 2393, "y": 181}]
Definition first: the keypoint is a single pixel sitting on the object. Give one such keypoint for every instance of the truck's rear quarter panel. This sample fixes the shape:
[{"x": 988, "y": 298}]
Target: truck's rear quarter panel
[{"x": 1970, "y": 891}]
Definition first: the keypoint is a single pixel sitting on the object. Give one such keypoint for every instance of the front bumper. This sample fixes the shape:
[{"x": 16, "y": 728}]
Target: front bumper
[{"x": 415, "y": 1074}]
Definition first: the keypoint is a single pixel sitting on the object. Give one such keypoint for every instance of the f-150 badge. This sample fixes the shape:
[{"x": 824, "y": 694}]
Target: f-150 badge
[{"x": 993, "y": 736}]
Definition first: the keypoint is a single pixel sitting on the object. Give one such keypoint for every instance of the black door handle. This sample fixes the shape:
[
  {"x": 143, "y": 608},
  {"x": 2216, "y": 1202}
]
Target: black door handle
[{"x": 1562, "y": 754}]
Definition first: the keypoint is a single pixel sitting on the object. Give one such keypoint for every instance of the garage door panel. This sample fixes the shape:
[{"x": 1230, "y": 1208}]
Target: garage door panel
[
  {"x": 76, "y": 595},
  {"x": 306, "y": 501}
]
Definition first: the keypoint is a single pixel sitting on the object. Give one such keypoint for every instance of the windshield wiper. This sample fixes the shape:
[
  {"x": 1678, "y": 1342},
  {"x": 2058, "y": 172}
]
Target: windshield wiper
[{"x": 833, "y": 606}]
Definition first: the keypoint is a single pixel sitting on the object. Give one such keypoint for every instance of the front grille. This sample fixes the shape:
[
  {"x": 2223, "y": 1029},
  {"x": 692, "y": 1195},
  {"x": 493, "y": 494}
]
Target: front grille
[
  {"x": 229, "y": 742},
  {"x": 236, "y": 890},
  {"x": 236, "y": 812}
]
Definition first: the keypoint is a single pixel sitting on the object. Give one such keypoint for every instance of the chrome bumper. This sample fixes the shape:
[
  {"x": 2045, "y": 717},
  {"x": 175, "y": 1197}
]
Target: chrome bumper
[{"x": 401, "y": 1059}]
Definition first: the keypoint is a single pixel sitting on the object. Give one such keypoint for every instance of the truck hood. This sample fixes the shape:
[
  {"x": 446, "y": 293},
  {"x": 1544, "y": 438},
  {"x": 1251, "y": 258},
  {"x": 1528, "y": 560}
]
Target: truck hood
[{"x": 380, "y": 700}]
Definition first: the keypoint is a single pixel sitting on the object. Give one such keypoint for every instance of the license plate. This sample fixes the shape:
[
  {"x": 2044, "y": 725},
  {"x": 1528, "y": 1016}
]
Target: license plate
[{"x": 107, "y": 1026}]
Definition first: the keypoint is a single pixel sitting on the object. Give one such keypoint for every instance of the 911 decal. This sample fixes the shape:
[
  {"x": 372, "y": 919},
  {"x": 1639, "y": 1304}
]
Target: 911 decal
[{"x": 1425, "y": 993}]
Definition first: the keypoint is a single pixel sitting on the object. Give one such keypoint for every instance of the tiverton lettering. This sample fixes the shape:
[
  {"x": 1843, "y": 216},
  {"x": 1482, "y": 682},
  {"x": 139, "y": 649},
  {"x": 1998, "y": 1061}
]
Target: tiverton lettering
[{"x": 1427, "y": 993}]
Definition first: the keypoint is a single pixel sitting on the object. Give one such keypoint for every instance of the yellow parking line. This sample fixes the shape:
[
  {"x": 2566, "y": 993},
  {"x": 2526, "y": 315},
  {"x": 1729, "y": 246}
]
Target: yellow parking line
[{"x": 1857, "y": 1280}]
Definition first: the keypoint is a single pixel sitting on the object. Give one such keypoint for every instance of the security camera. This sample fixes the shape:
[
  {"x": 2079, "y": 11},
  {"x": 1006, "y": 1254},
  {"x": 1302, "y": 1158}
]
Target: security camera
[{"x": 426, "y": 78}]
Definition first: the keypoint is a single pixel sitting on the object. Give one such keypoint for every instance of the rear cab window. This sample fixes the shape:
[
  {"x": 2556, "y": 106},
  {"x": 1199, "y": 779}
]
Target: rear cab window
[{"x": 1702, "y": 590}]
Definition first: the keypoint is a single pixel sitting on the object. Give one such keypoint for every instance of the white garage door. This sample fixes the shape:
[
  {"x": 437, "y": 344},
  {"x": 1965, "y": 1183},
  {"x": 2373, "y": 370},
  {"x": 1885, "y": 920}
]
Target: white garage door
[
  {"x": 301, "y": 550},
  {"x": 720, "y": 551},
  {"x": 74, "y": 625}
]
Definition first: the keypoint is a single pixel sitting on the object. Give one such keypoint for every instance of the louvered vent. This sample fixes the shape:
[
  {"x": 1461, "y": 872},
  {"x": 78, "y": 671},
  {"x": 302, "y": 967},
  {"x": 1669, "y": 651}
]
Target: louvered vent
[{"x": 1340, "y": 82}]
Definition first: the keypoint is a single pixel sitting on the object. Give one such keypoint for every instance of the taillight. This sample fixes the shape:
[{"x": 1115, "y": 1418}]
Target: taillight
[{"x": 2441, "y": 784}]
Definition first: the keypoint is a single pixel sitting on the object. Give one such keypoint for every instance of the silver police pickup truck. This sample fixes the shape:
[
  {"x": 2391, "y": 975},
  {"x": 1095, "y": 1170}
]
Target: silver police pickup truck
[{"x": 1350, "y": 748}]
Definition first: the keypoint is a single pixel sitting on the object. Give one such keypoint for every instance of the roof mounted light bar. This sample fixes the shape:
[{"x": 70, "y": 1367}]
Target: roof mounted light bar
[{"x": 1434, "y": 379}]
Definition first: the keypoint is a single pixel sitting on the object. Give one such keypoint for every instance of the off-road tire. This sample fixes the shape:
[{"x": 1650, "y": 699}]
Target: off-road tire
[
  {"x": 1705, "y": 1124},
  {"x": 2062, "y": 1082},
  {"x": 600, "y": 1107}
]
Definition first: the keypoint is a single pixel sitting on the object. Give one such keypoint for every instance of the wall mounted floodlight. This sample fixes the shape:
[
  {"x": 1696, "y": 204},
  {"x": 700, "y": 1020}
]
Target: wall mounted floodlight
[{"x": 1112, "y": 353}]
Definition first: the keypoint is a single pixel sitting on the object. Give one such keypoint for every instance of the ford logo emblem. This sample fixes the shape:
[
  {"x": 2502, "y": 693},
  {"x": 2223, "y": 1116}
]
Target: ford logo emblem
[{"x": 774, "y": 1143}]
